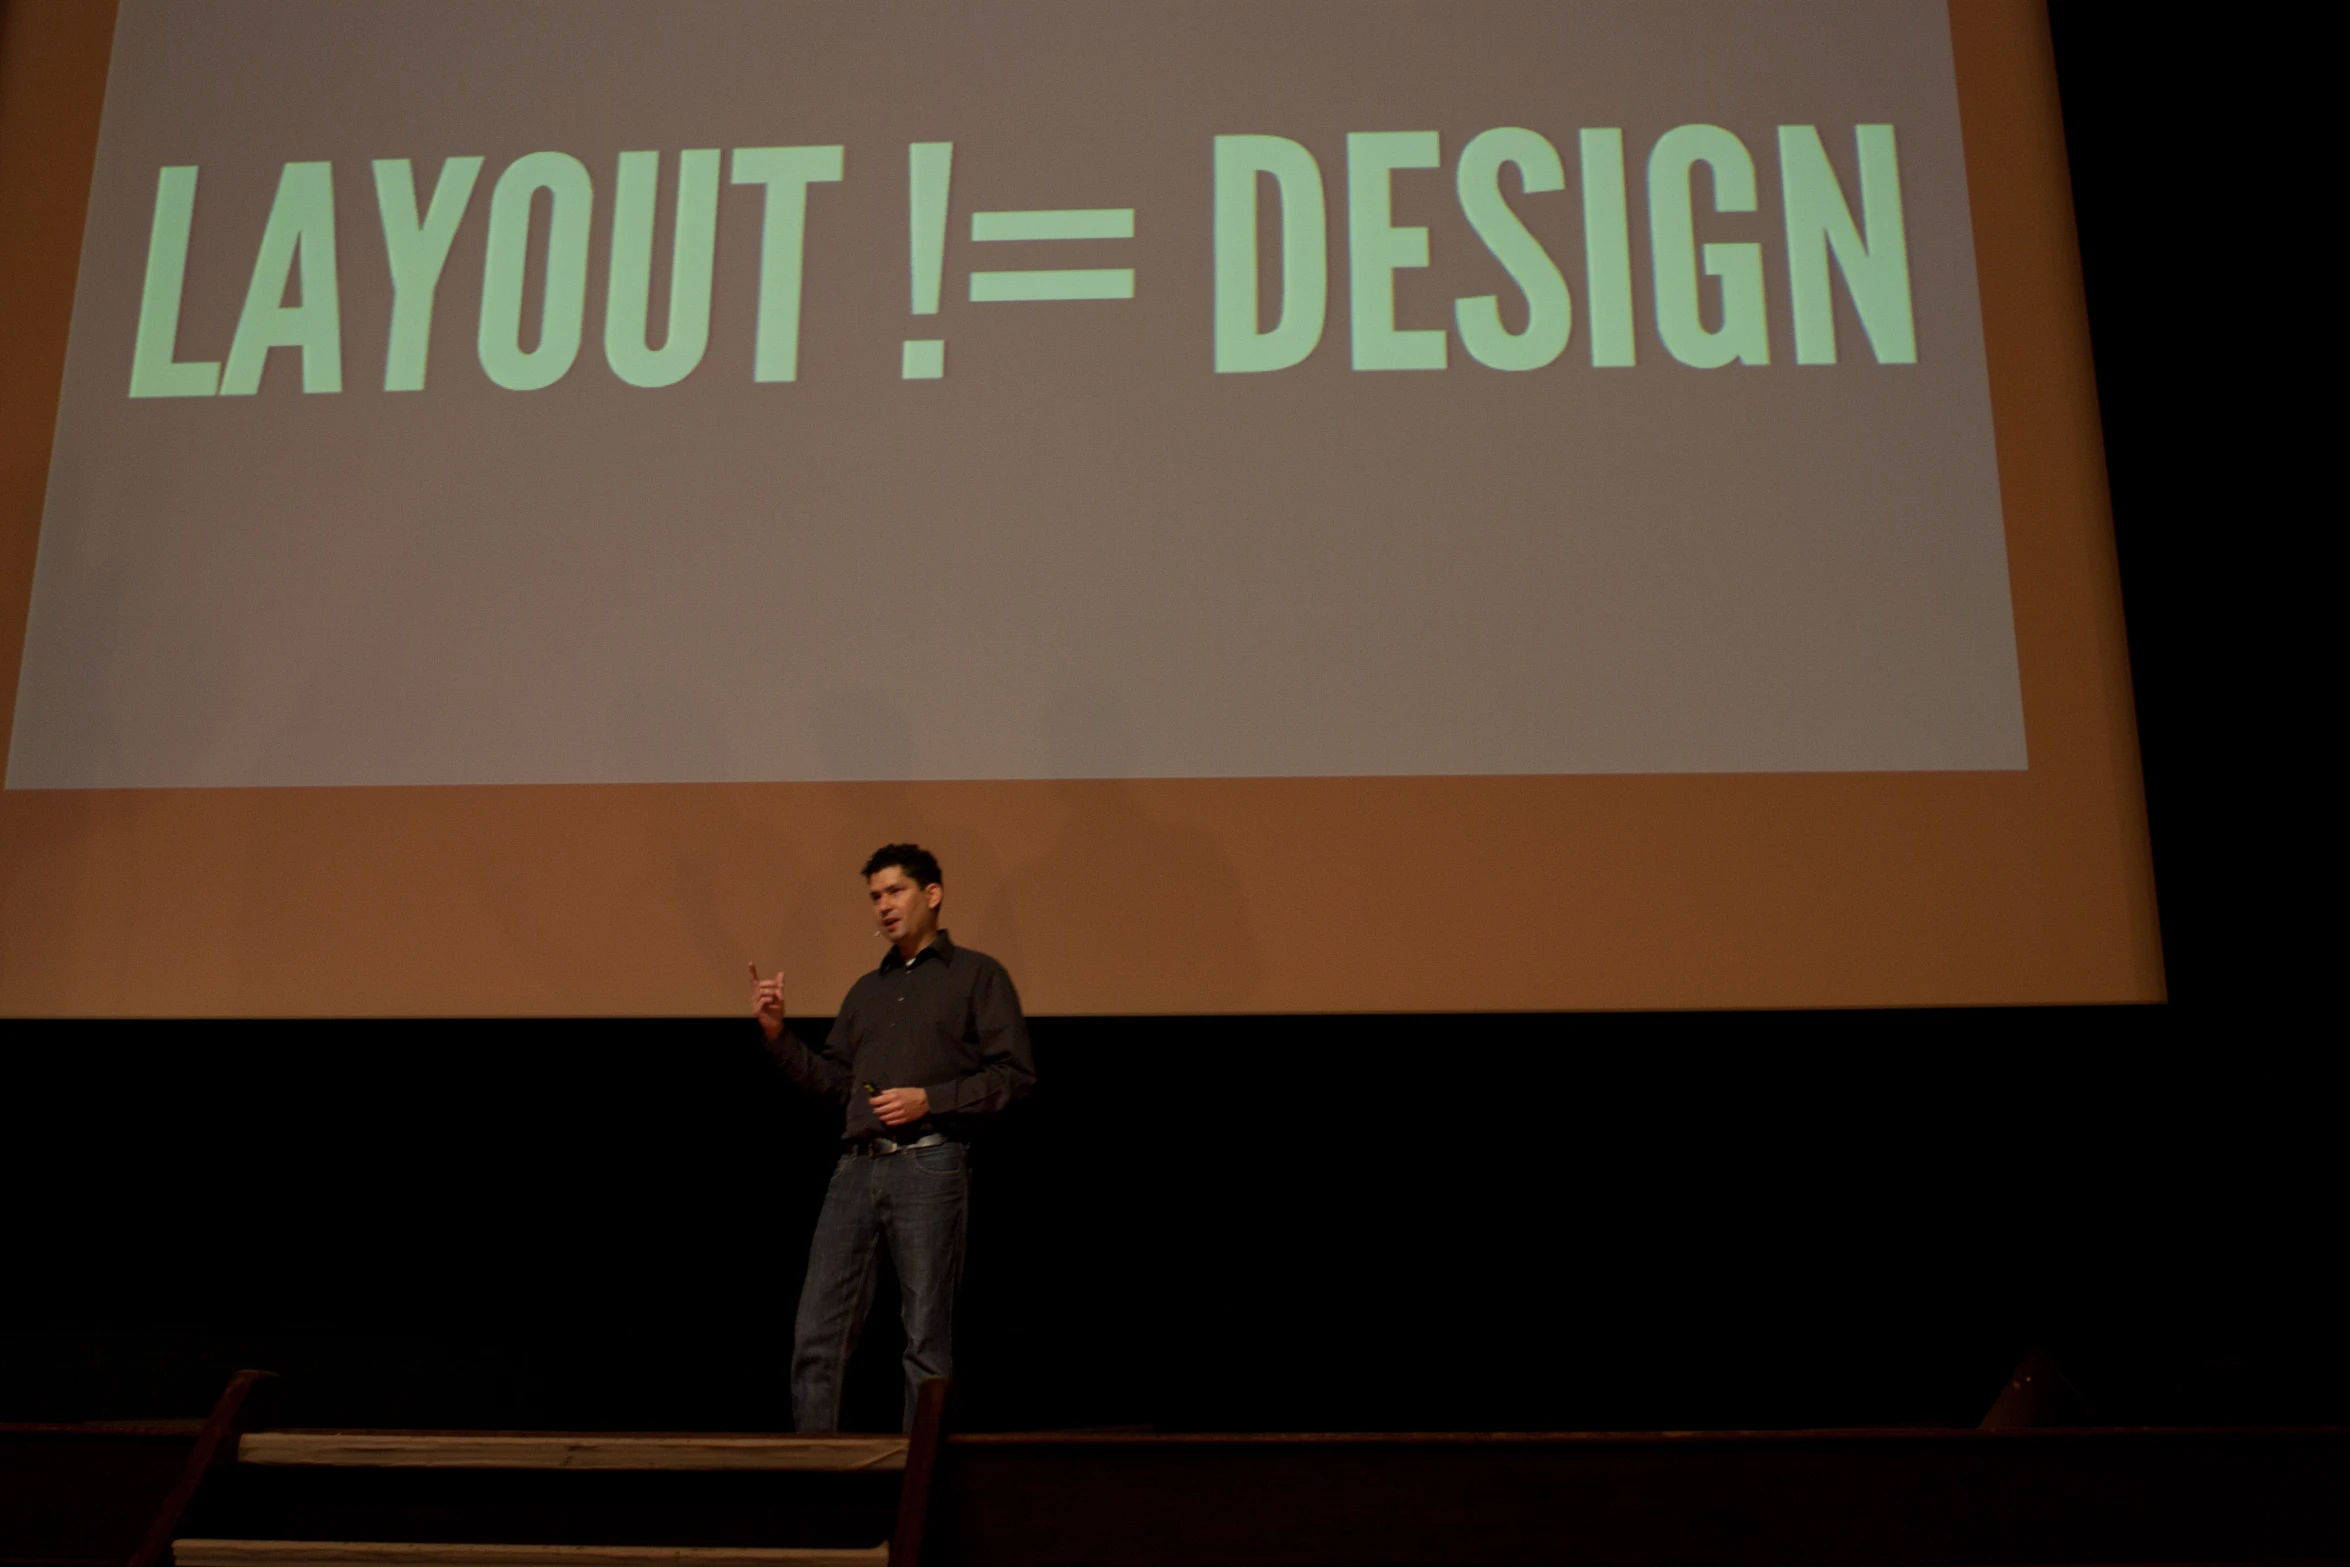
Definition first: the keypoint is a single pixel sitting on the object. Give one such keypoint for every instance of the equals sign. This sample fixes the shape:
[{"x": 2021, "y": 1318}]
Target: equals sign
[{"x": 1054, "y": 282}]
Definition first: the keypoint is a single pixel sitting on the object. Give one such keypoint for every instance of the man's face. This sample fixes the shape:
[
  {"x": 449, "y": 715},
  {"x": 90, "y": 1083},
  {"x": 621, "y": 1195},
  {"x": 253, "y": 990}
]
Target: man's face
[{"x": 904, "y": 911}]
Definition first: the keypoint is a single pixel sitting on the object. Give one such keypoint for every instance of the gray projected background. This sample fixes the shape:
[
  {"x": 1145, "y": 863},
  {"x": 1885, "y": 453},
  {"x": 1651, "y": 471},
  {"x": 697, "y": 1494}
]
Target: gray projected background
[{"x": 1032, "y": 531}]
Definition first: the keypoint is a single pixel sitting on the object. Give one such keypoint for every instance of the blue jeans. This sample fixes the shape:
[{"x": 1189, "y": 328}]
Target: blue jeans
[{"x": 915, "y": 1200}]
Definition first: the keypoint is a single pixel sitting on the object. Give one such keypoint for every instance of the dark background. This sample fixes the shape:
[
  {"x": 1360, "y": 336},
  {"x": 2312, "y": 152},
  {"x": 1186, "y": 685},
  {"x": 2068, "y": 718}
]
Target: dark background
[{"x": 1642, "y": 1221}]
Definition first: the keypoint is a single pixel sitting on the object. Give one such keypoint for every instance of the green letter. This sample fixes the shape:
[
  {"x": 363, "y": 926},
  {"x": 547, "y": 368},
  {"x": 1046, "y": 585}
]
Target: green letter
[
  {"x": 1305, "y": 253},
  {"x": 787, "y": 172},
  {"x": 1550, "y": 313},
  {"x": 301, "y": 222},
  {"x": 1607, "y": 247},
  {"x": 1876, "y": 270},
  {"x": 154, "y": 373},
  {"x": 1672, "y": 236},
  {"x": 573, "y": 200},
  {"x": 417, "y": 251},
  {"x": 1376, "y": 248},
  {"x": 692, "y": 252}
]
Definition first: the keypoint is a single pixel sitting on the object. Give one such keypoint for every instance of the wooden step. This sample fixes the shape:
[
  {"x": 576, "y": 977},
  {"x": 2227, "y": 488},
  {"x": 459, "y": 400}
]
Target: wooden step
[
  {"x": 375, "y": 1553},
  {"x": 570, "y": 1450}
]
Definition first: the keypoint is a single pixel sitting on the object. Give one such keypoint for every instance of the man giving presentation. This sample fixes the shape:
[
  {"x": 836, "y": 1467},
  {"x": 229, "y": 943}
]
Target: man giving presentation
[{"x": 925, "y": 1049}]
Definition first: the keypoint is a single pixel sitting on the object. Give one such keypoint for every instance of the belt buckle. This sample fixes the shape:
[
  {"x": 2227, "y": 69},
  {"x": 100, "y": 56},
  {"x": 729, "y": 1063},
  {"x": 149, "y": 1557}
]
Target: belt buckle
[{"x": 883, "y": 1147}]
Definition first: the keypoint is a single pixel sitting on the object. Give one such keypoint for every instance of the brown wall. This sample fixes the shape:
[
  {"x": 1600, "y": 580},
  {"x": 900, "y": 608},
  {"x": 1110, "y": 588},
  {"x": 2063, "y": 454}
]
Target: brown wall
[{"x": 1144, "y": 896}]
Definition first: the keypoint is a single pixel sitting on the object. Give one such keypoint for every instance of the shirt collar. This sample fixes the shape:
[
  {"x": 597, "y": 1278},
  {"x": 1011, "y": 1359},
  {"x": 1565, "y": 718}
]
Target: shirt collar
[{"x": 941, "y": 946}]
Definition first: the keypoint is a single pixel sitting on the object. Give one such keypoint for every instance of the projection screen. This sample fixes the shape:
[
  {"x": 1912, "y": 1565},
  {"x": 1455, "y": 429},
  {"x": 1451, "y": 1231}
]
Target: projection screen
[{"x": 1328, "y": 506}]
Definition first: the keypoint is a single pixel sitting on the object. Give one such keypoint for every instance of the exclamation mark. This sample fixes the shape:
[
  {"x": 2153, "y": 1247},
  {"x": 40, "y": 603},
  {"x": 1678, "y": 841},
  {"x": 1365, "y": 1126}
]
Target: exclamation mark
[{"x": 930, "y": 169}]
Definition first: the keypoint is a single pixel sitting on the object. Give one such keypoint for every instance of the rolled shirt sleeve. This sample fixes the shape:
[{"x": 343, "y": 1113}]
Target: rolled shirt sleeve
[{"x": 814, "y": 1069}]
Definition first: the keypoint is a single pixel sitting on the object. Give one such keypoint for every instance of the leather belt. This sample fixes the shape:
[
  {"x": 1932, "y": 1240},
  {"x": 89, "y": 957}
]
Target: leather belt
[{"x": 875, "y": 1147}]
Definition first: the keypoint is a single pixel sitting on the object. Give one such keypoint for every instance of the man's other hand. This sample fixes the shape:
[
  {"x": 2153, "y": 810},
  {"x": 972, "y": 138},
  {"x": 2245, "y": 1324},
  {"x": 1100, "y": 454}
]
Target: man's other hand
[
  {"x": 767, "y": 1002},
  {"x": 900, "y": 1106}
]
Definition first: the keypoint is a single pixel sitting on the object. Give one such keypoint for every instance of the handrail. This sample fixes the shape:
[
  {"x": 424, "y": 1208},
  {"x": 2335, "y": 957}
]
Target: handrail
[
  {"x": 922, "y": 1448},
  {"x": 216, "y": 1444}
]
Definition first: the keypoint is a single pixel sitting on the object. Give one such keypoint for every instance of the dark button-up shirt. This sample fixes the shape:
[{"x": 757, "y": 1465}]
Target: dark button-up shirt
[{"x": 947, "y": 1023}]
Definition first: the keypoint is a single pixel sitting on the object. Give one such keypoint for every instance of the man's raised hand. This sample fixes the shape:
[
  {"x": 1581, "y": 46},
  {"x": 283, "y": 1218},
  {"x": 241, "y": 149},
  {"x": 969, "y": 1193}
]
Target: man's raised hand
[{"x": 767, "y": 1001}]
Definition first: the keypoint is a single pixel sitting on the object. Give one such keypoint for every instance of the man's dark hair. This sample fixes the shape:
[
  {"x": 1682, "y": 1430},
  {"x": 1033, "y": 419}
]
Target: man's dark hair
[{"x": 912, "y": 858}]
